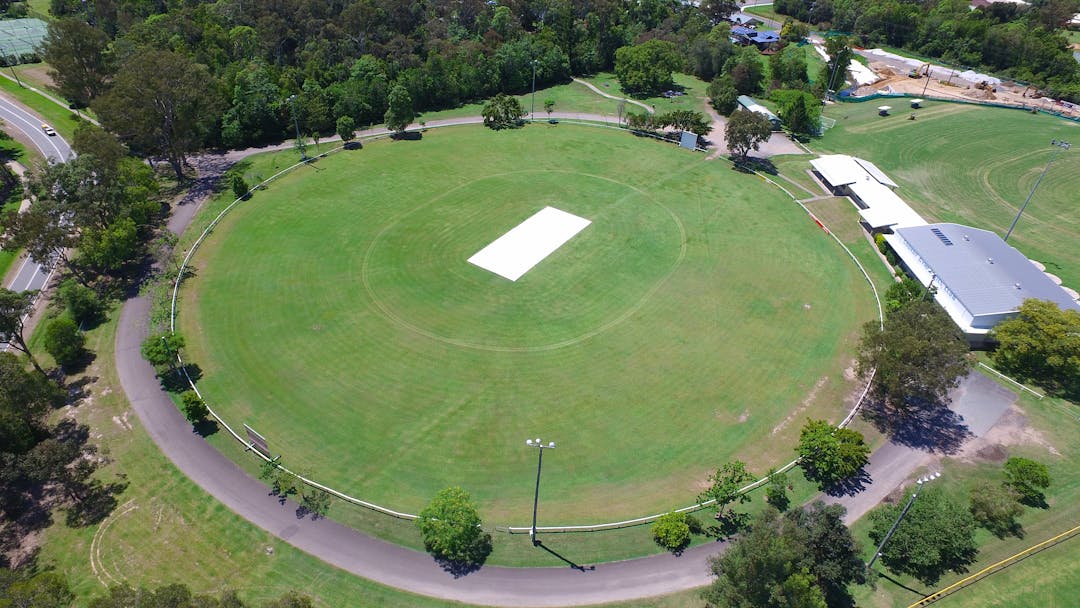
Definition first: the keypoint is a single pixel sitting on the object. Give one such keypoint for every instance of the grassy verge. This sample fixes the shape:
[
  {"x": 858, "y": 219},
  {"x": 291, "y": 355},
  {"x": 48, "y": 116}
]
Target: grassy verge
[{"x": 61, "y": 119}]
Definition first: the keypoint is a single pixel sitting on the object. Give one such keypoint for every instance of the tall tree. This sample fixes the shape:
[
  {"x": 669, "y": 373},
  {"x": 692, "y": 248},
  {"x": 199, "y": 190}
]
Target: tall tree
[
  {"x": 399, "y": 111},
  {"x": 1029, "y": 478},
  {"x": 936, "y": 535},
  {"x": 78, "y": 59},
  {"x": 919, "y": 356},
  {"x": 829, "y": 455},
  {"x": 833, "y": 74},
  {"x": 14, "y": 307},
  {"x": 800, "y": 112},
  {"x": 161, "y": 103},
  {"x": 1041, "y": 344},
  {"x": 804, "y": 558},
  {"x": 503, "y": 112},
  {"x": 724, "y": 486},
  {"x": 746, "y": 131},
  {"x": 646, "y": 68},
  {"x": 450, "y": 526}
]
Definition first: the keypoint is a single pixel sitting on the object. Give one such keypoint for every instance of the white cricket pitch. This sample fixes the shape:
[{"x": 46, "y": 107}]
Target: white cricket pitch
[{"x": 516, "y": 252}]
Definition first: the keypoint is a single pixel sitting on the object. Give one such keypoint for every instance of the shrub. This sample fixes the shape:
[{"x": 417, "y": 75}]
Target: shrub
[
  {"x": 1029, "y": 478},
  {"x": 239, "y": 186},
  {"x": 996, "y": 507},
  {"x": 81, "y": 301},
  {"x": 194, "y": 407},
  {"x": 672, "y": 532},
  {"x": 64, "y": 342}
]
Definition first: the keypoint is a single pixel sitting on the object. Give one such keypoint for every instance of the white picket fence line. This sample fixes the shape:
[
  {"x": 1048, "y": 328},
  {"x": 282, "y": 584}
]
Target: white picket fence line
[{"x": 511, "y": 529}]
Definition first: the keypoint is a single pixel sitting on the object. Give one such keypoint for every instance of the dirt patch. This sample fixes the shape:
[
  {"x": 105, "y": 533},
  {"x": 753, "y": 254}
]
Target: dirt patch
[
  {"x": 802, "y": 406},
  {"x": 1011, "y": 429}
]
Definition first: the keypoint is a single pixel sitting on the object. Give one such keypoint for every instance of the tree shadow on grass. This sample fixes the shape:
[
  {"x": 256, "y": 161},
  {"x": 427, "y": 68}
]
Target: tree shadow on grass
[
  {"x": 206, "y": 427},
  {"x": 932, "y": 427},
  {"x": 176, "y": 381},
  {"x": 752, "y": 164},
  {"x": 95, "y": 506}
]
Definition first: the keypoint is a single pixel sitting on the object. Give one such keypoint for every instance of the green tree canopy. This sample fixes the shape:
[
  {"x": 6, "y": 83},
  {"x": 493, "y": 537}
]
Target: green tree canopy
[
  {"x": 161, "y": 103},
  {"x": 64, "y": 342},
  {"x": 806, "y": 557},
  {"x": 723, "y": 95},
  {"x": 799, "y": 111},
  {"x": 78, "y": 57},
  {"x": 14, "y": 306},
  {"x": 1041, "y": 344},
  {"x": 829, "y": 455},
  {"x": 920, "y": 355},
  {"x": 936, "y": 535},
  {"x": 161, "y": 349},
  {"x": 1029, "y": 478},
  {"x": 746, "y": 131},
  {"x": 399, "y": 111},
  {"x": 996, "y": 507},
  {"x": 646, "y": 68},
  {"x": 450, "y": 526}
]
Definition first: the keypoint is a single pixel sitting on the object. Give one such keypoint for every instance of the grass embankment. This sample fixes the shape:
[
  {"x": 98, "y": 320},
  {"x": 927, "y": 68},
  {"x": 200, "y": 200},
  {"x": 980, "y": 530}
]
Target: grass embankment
[
  {"x": 62, "y": 119},
  {"x": 975, "y": 166}
]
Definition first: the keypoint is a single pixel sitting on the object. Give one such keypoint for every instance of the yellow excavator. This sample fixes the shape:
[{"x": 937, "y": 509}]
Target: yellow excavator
[{"x": 919, "y": 72}]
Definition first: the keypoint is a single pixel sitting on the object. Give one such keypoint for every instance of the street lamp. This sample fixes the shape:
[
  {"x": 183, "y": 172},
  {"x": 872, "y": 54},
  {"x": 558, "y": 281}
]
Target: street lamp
[
  {"x": 535, "y": 443},
  {"x": 896, "y": 523},
  {"x": 1061, "y": 145},
  {"x": 296, "y": 123},
  {"x": 533, "y": 110}
]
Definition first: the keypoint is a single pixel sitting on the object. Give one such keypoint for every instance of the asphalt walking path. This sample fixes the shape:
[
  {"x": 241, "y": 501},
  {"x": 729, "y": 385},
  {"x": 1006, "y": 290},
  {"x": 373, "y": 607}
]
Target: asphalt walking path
[{"x": 378, "y": 560}]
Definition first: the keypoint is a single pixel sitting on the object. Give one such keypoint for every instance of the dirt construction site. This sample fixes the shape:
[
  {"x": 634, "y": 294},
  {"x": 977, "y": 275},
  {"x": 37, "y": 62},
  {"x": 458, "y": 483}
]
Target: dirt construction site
[{"x": 900, "y": 76}]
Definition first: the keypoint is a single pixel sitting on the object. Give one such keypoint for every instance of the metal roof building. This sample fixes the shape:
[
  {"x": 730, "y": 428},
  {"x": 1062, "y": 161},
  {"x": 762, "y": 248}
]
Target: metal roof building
[
  {"x": 750, "y": 104},
  {"x": 980, "y": 279}
]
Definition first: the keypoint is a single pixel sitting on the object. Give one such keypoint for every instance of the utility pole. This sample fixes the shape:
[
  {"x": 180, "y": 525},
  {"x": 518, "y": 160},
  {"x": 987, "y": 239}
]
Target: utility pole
[{"x": 296, "y": 123}]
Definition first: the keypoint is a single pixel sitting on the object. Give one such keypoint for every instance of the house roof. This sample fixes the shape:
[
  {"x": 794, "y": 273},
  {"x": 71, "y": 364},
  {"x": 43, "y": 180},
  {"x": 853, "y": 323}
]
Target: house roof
[
  {"x": 739, "y": 30},
  {"x": 743, "y": 18},
  {"x": 765, "y": 36},
  {"x": 986, "y": 274}
]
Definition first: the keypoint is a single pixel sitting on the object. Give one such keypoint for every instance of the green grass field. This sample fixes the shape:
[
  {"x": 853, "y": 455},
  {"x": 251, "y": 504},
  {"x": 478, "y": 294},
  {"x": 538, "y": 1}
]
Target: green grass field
[
  {"x": 974, "y": 165},
  {"x": 375, "y": 358}
]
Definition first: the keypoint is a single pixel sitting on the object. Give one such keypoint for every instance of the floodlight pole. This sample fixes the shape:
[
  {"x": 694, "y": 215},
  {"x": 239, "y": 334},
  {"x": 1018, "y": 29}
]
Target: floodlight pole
[
  {"x": 296, "y": 123},
  {"x": 1061, "y": 145},
  {"x": 535, "y": 443},
  {"x": 896, "y": 523},
  {"x": 532, "y": 111}
]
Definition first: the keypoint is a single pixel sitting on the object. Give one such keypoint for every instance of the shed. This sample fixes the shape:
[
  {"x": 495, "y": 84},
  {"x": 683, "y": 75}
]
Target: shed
[{"x": 752, "y": 105}]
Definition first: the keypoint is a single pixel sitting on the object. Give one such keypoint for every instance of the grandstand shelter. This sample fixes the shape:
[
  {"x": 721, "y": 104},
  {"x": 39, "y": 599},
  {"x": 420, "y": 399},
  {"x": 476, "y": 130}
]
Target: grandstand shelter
[
  {"x": 840, "y": 170},
  {"x": 750, "y": 104},
  {"x": 980, "y": 280},
  {"x": 880, "y": 208}
]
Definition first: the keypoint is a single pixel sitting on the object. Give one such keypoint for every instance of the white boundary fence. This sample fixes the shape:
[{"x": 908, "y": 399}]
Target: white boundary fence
[{"x": 511, "y": 529}]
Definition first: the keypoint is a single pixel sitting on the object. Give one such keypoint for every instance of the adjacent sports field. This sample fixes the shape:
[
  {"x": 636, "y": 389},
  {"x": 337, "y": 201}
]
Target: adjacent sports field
[
  {"x": 701, "y": 316},
  {"x": 976, "y": 166}
]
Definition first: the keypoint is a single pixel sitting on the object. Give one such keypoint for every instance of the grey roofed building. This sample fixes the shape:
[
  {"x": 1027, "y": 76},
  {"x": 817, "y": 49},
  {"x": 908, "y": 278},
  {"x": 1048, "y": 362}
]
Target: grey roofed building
[{"x": 980, "y": 279}]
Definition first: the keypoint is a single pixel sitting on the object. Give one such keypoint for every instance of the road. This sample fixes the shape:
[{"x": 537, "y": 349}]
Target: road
[{"x": 26, "y": 127}]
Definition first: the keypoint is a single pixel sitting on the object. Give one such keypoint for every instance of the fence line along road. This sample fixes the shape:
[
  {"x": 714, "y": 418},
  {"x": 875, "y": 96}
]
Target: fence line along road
[{"x": 510, "y": 529}]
